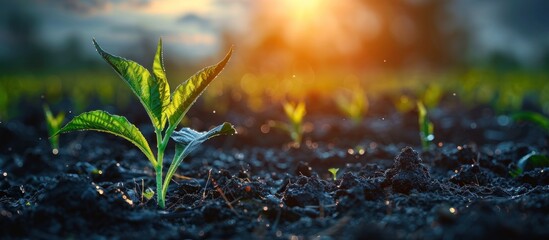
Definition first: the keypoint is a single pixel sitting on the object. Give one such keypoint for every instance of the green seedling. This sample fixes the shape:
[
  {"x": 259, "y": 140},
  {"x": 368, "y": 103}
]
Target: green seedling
[
  {"x": 426, "y": 127},
  {"x": 533, "y": 117},
  {"x": 531, "y": 159},
  {"x": 53, "y": 124},
  {"x": 148, "y": 194},
  {"x": 354, "y": 106},
  {"x": 295, "y": 113},
  {"x": 162, "y": 108},
  {"x": 333, "y": 171}
]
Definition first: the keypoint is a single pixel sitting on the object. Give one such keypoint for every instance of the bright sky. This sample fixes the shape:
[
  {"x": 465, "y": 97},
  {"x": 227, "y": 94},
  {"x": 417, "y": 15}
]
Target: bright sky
[{"x": 193, "y": 28}]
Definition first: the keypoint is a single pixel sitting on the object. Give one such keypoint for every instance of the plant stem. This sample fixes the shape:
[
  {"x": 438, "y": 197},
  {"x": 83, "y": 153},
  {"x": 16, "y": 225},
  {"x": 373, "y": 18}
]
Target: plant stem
[
  {"x": 159, "y": 195},
  {"x": 158, "y": 169}
]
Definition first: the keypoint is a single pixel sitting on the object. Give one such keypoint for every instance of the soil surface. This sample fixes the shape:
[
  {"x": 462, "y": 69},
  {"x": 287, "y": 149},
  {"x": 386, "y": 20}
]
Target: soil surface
[{"x": 254, "y": 185}]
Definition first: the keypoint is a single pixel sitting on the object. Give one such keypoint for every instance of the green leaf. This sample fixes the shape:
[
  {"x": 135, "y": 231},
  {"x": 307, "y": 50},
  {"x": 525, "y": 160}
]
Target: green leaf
[
  {"x": 148, "y": 194},
  {"x": 333, "y": 171},
  {"x": 295, "y": 112},
  {"x": 186, "y": 94},
  {"x": 188, "y": 140},
  {"x": 160, "y": 75},
  {"x": 104, "y": 122},
  {"x": 151, "y": 91},
  {"x": 532, "y": 117}
]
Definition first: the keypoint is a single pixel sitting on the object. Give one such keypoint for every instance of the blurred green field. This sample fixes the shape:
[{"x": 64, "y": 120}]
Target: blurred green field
[{"x": 505, "y": 91}]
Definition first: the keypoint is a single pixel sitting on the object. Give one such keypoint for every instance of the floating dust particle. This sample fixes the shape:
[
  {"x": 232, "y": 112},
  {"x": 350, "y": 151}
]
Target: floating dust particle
[
  {"x": 265, "y": 208},
  {"x": 452, "y": 210},
  {"x": 351, "y": 151},
  {"x": 55, "y": 151}
]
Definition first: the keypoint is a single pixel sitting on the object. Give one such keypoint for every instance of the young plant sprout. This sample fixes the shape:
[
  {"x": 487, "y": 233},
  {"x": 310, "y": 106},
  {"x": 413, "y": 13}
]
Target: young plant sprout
[
  {"x": 354, "y": 106},
  {"x": 53, "y": 124},
  {"x": 295, "y": 113},
  {"x": 333, "y": 171},
  {"x": 531, "y": 159},
  {"x": 164, "y": 109},
  {"x": 533, "y": 117},
  {"x": 426, "y": 127}
]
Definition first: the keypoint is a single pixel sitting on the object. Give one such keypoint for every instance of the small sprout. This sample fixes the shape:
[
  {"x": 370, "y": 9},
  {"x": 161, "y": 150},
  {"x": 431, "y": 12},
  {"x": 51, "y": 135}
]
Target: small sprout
[
  {"x": 165, "y": 110},
  {"x": 295, "y": 113},
  {"x": 354, "y": 106},
  {"x": 53, "y": 124},
  {"x": 532, "y": 160},
  {"x": 533, "y": 117},
  {"x": 148, "y": 193},
  {"x": 333, "y": 171},
  {"x": 426, "y": 127},
  {"x": 432, "y": 95}
]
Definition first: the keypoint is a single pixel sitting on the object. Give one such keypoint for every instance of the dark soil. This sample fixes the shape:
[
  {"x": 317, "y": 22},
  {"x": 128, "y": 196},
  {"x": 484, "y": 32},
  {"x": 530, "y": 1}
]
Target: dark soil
[{"x": 253, "y": 185}]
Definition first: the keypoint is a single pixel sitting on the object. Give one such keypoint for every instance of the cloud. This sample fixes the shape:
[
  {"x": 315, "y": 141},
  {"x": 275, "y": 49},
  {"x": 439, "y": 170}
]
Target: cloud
[
  {"x": 91, "y": 6},
  {"x": 194, "y": 19}
]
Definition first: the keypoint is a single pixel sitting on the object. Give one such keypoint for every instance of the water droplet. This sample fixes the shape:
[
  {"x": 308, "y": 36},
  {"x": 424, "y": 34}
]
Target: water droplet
[{"x": 55, "y": 151}]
